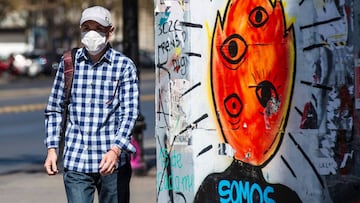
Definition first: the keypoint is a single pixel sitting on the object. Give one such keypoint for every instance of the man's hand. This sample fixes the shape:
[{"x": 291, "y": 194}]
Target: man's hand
[
  {"x": 50, "y": 162},
  {"x": 109, "y": 161}
]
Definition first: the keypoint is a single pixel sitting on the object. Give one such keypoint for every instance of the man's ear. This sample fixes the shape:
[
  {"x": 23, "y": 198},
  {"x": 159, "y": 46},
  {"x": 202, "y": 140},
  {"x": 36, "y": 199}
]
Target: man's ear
[{"x": 111, "y": 31}]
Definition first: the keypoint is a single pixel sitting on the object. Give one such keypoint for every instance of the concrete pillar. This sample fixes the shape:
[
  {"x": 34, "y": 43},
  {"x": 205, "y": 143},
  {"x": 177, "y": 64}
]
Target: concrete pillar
[{"x": 256, "y": 101}]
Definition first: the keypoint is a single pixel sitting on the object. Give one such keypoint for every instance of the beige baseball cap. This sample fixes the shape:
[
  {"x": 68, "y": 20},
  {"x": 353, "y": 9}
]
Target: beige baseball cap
[{"x": 96, "y": 13}]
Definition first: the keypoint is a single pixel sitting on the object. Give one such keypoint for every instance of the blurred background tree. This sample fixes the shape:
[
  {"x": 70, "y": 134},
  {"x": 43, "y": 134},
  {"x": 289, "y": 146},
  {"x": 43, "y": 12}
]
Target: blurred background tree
[{"x": 54, "y": 24}]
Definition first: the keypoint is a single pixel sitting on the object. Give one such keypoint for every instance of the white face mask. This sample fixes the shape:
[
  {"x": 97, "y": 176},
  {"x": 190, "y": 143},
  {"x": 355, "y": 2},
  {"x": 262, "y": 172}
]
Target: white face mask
[{"x": 93, "y": 41}]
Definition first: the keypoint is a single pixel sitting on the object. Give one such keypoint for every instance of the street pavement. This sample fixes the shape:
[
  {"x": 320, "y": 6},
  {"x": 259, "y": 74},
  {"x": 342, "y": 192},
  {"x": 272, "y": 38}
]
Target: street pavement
[
  {"x": 33, "y": 185},
  {"x": 37, "y": 187}
]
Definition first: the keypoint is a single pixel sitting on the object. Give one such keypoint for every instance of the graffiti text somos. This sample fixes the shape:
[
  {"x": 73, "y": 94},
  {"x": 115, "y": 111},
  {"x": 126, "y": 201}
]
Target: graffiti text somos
[{"x": 239, "y": 191}]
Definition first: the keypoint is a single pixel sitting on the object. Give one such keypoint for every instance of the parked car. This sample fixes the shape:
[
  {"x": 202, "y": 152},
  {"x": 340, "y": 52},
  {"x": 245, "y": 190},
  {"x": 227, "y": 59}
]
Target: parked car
[
  {"x": 28, "y": 65},
  {"x": 7, "y": 66},
  {"x": 4, "y": 65},
  {"x": 47, "y": 60}
]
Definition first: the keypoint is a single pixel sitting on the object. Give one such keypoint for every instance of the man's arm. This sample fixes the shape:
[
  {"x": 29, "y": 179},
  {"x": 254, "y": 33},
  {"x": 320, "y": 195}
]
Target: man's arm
[
  {"x": 53, "y": 117},
  {"x": 129, "y": 107}
]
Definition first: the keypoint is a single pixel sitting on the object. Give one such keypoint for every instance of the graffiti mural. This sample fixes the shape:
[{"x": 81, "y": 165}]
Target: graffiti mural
[
  {"x": 252, "y": 110},
  {"x": 255, "y": 100}
]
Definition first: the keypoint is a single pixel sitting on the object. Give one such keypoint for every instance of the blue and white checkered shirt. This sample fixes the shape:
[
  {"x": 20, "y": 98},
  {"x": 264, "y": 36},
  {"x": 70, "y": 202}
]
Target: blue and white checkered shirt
[{"x": 104, "y": 105}]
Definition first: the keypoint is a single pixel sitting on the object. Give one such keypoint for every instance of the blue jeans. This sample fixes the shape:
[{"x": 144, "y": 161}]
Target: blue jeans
[{"x": 114, "y": 188}]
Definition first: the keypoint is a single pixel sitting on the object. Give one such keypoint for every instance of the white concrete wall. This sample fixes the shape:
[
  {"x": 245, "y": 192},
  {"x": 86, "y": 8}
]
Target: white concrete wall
[{"x": 255, "y": 101}]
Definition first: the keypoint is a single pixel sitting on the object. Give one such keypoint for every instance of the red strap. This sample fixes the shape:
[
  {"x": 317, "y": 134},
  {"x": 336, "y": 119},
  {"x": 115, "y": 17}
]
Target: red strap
[{"x": 68, "y": 73}]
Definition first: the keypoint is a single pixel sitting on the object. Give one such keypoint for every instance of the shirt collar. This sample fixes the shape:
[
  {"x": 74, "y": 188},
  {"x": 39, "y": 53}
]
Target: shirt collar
[{"x": 105, "y": 58}]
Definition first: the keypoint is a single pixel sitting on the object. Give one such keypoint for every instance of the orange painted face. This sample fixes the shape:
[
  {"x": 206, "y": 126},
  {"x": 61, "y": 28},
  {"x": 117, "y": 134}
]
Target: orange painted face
[{"x": 252, "y": 72}]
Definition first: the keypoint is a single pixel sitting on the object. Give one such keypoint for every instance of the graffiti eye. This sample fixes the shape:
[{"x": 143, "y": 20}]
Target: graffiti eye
[
  {"x": 233, "y": 105},
  {"x": 258, "y": 17},
  {"x": 233, "y": 49},
  {"x": 265, "y": 91}
]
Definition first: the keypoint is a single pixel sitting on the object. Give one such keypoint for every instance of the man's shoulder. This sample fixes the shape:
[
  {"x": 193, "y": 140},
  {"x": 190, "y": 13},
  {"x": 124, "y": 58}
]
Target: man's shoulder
[{"x": 120, "y": 56}]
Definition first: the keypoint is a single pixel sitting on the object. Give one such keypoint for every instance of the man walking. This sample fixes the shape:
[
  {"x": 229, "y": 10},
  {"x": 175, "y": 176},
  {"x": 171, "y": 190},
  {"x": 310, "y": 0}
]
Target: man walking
[{"x": 102, "y": 112}]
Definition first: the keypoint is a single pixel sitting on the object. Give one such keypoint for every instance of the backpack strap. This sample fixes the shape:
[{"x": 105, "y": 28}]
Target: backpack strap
[{"x": 69, "y": 61}]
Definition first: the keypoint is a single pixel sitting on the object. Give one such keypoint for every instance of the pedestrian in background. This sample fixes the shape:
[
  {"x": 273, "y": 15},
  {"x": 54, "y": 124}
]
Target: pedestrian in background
[{"x": 103, "y": 108}]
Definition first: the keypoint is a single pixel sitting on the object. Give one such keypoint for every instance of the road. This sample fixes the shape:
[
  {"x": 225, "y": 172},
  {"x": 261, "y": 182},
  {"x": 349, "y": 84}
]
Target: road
[{"x": 22, "y": 103}]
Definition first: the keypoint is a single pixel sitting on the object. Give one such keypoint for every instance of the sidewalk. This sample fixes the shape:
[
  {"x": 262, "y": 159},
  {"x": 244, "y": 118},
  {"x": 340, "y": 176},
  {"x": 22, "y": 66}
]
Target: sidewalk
[
  {"x": 33, "y": 185},
  {"x": 37, "y": 187}
]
